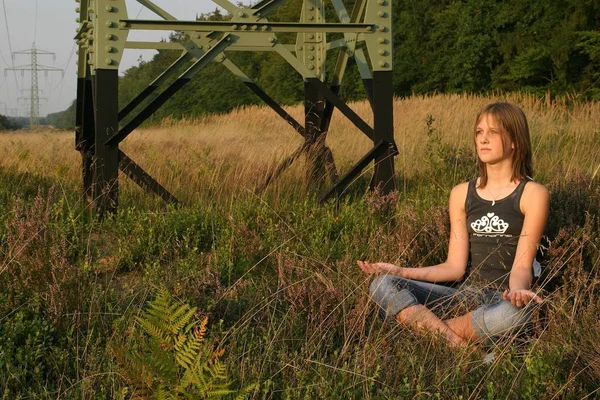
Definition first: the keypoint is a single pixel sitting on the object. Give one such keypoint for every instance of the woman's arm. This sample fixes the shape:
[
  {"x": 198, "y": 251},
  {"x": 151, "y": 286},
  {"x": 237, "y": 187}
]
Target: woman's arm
[
  {"x": 535, "y": 204},
  {"x": 453, "y": 269}
]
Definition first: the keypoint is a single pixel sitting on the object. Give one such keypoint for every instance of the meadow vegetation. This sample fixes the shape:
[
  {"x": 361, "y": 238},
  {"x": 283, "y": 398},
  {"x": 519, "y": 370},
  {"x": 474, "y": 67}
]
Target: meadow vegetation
[{"x": 275, "y": 272}]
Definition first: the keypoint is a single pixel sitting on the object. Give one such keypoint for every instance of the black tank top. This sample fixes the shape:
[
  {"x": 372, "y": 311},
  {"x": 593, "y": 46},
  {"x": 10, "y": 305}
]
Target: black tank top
[{"x": 494, "y": 229}]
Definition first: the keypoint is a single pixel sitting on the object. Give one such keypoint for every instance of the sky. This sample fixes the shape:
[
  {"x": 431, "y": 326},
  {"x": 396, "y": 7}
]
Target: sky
[{"x": 51, "y": 26}]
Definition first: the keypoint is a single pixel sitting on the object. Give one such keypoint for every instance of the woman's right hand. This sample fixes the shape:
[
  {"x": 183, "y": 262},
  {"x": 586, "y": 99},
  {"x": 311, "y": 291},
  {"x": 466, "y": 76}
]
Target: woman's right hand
[{"x": 379, "y": 268}]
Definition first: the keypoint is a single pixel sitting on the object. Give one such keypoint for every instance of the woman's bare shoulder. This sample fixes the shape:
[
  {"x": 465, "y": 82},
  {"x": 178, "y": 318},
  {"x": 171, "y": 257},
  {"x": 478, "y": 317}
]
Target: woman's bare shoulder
[
  {"x": 534, "y": 195},
  {"x": 533, "y": 189},
  {"x": 458, "y": 195},
  {"x": 460, "y": 190}
]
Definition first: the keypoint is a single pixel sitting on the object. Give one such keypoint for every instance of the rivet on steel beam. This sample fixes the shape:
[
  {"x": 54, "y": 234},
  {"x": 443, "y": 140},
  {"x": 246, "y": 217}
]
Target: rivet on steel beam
[
  {"x": 369, "y": 29},
  {"x": 209, "y": 47},
  {"x": 197, "y": 35},
  {"x": 311, "y": 57},
  {"x": 382, "y": 14},
  {"x": 382, "y": 2},
  {"x": 274, "y": 40},
  {"x": 383, "y": 64},
  {"x": 110, "y": 24},
  {"x": 228, "y": 39},
  {"x": 311, "y": 8},
  {"x": 310, "y": 17},
  {"x": 257, "y": 15},
  {"x": 382, "y": 40},
  {"x": 311, "y": 36},
  {"x": 241, "y": 15},
  {"x": 311, "y": 67},
  {"x": 77, "y": 9},
  {"x": 110, "y": 36},
  {"x": 382, "y": 52},
  {"x": 300, "y": 48},
  {"x": 244, "y": 27},
  {"x": 77, "y": 20},
  {"x": 382, "y": 29},
  {"x": 254, "y": 27},
  {"x": 123, "y": 24},
  {"x": 110, "y": 9},
  {"x": 311, "y": 48},
  {"x": 235, "y": 27},
  {"x": 110, "y": 49},
  {"x": 109, "y": 61}
]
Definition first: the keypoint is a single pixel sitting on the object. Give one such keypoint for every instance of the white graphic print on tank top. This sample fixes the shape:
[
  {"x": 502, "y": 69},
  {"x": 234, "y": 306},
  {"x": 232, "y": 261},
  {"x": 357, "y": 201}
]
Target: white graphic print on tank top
[{"x": 490, "y": 225}]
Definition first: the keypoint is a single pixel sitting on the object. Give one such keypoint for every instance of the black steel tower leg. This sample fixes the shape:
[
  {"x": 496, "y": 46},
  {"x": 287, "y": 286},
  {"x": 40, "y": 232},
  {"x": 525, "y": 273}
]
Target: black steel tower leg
[
  {"x": 86, "y": 140},
  {"x": 383, "y": 118},
  {"x": 314, "y": 105},
  {"x": 106, "y": 158}
]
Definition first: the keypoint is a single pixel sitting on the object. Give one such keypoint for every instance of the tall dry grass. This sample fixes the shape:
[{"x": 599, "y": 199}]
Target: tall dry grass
[
  {"x": 280, "y": 281},
  {"x": 231, "y": 154}
]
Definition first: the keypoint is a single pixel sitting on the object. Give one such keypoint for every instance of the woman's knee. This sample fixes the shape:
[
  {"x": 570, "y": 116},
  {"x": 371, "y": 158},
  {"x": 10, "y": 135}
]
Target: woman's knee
[
  {"x": 500, "y": 319},
  {"x": 389, "y": 292},
  {"x": 382, "y": 284}
]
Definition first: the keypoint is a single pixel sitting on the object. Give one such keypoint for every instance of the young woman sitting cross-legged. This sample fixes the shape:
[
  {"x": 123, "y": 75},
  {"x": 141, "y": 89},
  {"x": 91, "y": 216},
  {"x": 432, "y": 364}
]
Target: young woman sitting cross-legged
[{"x": 496, "y": 223}]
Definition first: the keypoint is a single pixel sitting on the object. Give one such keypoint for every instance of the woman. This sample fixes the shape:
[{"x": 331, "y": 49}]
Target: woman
[{"x": 496, "y": 223}]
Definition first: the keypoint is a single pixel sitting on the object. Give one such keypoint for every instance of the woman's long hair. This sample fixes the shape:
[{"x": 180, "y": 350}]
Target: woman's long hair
[{"x": 514, "y": 123}]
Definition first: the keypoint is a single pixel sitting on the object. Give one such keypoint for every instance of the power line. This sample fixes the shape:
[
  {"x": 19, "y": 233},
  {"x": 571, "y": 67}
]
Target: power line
[
  {"x": 66, "y": 66},
  {"x": 35, "y": 26},
  {"x": 60, "y": 84},
  {"x": 10, "y": 45},
  {"x": 4, "y": 59}
]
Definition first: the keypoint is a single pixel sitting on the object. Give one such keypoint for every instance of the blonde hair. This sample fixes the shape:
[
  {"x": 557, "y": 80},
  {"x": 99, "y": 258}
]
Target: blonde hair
[{"x": 514, "y": 123}]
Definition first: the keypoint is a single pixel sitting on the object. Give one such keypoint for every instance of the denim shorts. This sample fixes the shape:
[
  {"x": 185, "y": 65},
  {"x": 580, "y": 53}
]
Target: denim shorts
[{"x": 492, "y": 317}]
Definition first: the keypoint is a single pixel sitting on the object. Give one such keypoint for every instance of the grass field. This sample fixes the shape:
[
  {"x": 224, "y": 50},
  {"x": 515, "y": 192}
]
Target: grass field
[{"x": 275, "y": 272}]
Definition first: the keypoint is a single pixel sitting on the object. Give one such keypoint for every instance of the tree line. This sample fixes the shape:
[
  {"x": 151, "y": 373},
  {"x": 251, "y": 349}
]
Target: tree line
[{"x": 477, "y": 46}]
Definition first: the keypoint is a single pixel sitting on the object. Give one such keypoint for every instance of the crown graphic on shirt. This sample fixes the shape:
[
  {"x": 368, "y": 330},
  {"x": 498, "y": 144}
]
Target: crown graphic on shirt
[{"x": 489, "y": 224}]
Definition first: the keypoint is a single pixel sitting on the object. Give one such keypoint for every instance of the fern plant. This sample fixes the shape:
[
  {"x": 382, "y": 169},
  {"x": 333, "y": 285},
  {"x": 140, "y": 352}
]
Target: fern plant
[{"x": 165, "y": 356}]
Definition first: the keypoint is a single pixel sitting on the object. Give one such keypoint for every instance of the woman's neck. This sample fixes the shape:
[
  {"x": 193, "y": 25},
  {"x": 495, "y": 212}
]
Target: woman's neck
[{"x": 500, "y": 174}]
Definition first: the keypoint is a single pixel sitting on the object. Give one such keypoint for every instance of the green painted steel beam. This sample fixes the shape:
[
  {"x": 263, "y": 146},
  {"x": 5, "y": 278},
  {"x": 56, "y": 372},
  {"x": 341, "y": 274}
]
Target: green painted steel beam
[
  {"x": 108, "y": 42},
  {"x": 156, "y": 9},
  {"x": 180, "y": 46},
  {"x": 238, "y": 47},
  {"x": 361, "y": 63},
  {"x": 232, "y": 9},
  {"x": 266, "y": 7},
  {"x": 380, "y": 45},
  {"x": 226, "y": 26},
  {"x": 310, "y": 46}
]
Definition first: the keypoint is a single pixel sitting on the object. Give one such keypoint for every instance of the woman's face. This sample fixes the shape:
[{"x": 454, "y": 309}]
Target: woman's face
[{"x": 492, "y": 141}]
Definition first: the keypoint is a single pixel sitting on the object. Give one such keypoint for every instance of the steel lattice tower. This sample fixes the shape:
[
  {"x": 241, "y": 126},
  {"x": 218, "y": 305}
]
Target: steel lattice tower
[{"x": 34, "y": 67}]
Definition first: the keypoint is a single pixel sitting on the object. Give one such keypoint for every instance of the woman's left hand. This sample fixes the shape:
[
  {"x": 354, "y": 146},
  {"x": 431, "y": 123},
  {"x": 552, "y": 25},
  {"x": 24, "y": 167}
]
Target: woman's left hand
[{"x": 521, "y": 297}]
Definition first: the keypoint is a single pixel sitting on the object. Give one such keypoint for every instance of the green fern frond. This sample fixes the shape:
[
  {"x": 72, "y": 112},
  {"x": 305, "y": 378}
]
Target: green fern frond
[
  {"x": 243, "y": 394},
  {"x": 182, "y": 318},
  {"x": 217, "y": 371},
  {"x": 155, "y": 330},
  {"x": 168, "y": 359},
  {"x": 219, "y": 393}
]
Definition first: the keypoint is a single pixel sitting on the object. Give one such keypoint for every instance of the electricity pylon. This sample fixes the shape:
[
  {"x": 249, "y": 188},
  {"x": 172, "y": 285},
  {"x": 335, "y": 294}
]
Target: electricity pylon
[
  {"x": 363, "y": 34},
  {"x": 34, "y": 67}
]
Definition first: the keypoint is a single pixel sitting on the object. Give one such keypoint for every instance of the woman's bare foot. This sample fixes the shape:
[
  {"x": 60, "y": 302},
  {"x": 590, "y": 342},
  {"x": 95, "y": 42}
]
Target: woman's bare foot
[{"x": 456, "y": 341}]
